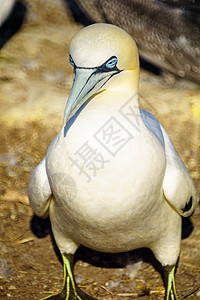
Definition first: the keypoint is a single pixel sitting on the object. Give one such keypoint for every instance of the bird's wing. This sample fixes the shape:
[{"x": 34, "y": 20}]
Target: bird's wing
[
  {"x": 153, "y": 125},
  {"x": 178, "y": 186},
  {"x": 39, "y": 191}
]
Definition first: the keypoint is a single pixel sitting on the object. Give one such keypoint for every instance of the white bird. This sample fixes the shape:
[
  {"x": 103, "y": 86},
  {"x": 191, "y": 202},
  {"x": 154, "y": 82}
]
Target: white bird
[
  {"x": 111, "y": 179},
  {"x": 6, "y": 7}
]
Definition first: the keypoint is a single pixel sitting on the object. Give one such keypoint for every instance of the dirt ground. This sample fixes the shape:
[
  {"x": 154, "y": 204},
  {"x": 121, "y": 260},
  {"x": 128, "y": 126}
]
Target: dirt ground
[{"x": 35, "y": 81}]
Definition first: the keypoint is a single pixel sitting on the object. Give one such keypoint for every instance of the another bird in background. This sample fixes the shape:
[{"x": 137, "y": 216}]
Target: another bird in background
[
  {"x": 167, "y": 32},
  {"x": 6, "y": 7},
  {"x": 12, "y": 14}
]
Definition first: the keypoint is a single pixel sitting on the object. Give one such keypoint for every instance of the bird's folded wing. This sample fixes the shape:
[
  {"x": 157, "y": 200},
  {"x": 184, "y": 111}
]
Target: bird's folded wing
[
  {"x": 178, "y": 185},
  {"x": 39, "y": 191}
]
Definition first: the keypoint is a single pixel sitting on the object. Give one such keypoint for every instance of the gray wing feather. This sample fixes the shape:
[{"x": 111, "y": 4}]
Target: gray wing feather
[
  {"x": 152, "y": 125},
  {"x": 178, "y": 186}
]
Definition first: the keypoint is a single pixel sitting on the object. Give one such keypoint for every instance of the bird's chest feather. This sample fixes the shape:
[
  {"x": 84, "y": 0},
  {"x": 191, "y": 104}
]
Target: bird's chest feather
[{"x": 105, "y": 174}]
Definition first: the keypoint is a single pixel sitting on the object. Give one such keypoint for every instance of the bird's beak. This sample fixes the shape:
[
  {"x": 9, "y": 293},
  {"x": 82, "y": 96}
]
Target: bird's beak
[{"x": 87, "y": 83}]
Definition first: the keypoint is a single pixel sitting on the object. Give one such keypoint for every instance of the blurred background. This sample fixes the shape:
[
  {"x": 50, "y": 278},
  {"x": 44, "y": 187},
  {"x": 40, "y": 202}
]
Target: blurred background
[{"x": 35, "y": 81}]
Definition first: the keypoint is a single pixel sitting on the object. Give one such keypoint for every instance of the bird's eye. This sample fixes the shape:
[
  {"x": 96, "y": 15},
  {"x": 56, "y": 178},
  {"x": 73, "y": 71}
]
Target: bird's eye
[
  {"x": 71, "y": 61},
  {"x": 111, "y": 63}
]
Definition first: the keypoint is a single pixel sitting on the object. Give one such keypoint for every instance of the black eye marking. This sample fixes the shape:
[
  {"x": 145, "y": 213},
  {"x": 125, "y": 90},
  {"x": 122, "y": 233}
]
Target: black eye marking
[
  {"x": 188, "y": 205},
  {"x": 109, "y": 65}
]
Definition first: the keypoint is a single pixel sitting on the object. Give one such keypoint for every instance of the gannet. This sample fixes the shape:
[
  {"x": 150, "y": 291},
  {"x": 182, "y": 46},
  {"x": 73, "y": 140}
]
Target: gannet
[
  {"x": 12, "y": 15},
  {"x": 6, "y": 7},
  {"x": 111, "y": 179},
  {"x": 166, "y": 32}
]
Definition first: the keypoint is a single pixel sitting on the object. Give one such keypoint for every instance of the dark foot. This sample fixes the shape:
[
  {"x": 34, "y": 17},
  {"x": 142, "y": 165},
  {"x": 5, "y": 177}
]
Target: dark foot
[
  {"x": 70, "y": 290},
  {"x": 80, "y": 295}
]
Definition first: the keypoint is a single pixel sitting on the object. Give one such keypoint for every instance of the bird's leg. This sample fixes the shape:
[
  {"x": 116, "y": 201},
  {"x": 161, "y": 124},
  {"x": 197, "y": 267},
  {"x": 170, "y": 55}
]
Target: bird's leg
[
  {"x": 170, "y": 290},
  {"x": 70, "y": 290}
]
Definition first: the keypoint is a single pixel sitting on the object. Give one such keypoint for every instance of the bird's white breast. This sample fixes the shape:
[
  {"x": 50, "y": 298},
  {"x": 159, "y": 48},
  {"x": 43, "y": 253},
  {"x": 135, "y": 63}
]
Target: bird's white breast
[{"x": 106, "y": 174}]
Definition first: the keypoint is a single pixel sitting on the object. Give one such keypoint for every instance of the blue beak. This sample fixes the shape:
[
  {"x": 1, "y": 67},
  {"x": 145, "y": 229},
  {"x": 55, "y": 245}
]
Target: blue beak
[{"x": 86, "y": 84}]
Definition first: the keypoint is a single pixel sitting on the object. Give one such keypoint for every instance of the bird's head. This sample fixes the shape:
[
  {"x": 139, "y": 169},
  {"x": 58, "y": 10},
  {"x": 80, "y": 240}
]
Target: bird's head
[{"x": 99, "y": 54}]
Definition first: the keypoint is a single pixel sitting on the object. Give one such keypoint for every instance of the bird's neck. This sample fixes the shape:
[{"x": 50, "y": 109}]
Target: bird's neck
[
  {"x": 128, "y": 79},
  {"x": 121, "y": 90}
]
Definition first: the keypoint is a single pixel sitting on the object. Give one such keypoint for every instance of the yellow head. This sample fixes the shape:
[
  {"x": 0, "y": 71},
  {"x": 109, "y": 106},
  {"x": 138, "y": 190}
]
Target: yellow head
[
  {"x": 99, "y": 53},
  {"x": 95, "y": 44}
]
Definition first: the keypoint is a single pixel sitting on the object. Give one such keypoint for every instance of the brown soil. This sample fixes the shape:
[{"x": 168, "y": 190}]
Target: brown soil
[{"x": 35, "y": 82}]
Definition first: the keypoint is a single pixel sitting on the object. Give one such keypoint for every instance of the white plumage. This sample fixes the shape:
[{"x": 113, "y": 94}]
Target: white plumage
[
  {"x": 5, "y": 9},
  {"x": 111, "y": 179}
]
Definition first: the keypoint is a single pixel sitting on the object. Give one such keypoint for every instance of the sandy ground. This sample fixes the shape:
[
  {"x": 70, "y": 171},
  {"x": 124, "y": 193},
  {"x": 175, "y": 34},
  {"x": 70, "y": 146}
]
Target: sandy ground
[{"x": 35, "y": 81}]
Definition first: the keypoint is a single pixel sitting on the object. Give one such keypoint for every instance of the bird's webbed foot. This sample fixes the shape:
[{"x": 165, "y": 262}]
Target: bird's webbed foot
[
  {"x": 170, "y": 290},
  {"x": 70, "y": 290}
]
